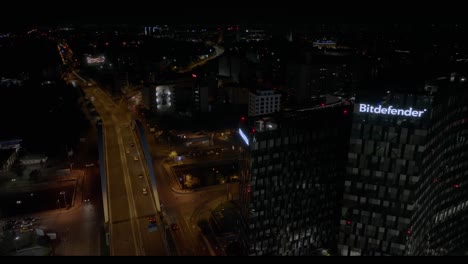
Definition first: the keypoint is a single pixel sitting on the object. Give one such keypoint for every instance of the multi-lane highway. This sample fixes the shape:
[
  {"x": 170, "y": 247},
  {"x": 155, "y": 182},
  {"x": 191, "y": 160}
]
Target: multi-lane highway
[{"x": 129, "y": 205}]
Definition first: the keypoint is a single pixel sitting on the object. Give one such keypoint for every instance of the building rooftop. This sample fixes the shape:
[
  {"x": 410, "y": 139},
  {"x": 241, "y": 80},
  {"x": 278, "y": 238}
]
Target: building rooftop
[{"x": 274, "y": 121}]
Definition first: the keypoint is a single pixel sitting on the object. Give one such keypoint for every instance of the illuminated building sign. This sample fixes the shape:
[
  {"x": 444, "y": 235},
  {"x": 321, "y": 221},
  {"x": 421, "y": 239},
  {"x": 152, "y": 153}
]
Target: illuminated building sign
[
  {"x": 243, "y": 136},
  {"x": 95, "y": 60},
  {"x": 389, "y": 110}
]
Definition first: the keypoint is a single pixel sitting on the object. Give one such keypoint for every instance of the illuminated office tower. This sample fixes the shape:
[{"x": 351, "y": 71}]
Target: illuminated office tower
[
  {"x": 292, "y": 168},
  {"x": 407, "y": 172},
  {"x": 263, "y": 102}
]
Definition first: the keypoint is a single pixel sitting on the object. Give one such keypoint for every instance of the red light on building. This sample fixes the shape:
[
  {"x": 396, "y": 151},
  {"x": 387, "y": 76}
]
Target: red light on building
[
  {"x": 243, "y": 119},
  {"x": 348, "y": 222},
  {"x": 253, "y": 131},
  {"x": 194, "y": 75},
  {"x": 345, "y": 112},
  {"x": 408, "y": 232},
  {"x": 456, "y": 186},
  {"x": 322, "y": 104}
]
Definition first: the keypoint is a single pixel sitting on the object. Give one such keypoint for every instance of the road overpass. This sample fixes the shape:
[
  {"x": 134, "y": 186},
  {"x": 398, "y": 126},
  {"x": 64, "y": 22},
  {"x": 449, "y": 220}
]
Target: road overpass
[{"x": 129, "y": 207}]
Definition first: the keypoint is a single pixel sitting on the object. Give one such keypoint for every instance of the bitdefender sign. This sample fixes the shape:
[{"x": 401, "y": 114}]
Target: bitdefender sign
[{"x": 389, "y": 110}]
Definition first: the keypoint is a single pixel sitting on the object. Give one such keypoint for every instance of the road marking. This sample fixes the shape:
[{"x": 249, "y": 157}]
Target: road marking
[{"x": 128, "y": 186}]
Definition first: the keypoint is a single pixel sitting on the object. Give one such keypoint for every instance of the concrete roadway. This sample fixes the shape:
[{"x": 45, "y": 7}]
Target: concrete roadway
[
  {"x": 129, "y": 208},
  {"x": 184, "y": 209}
]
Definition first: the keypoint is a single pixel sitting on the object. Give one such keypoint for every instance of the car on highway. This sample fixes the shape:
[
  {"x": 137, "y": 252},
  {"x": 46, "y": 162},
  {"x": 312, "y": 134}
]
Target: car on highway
[
  {"x": 140, "y": 176},
  {"x": 127, "y": 151},
  {"x": 174, "y": 226},
  {"x": 132, "y": 145},
  {"x": 152, "y": 219},
  {"x": 144, "y": 191},
  {"x": 135, "y": 158}
]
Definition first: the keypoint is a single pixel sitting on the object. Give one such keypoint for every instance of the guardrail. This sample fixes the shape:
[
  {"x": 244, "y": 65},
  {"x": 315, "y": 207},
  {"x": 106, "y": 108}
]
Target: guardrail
[
  {"x": 149, "y": 162},
  {"x": 102, "y": 171}
]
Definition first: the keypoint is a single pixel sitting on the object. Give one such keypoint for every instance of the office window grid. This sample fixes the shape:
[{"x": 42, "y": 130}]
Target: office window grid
[
  {"x": 420, "y": 170},
  {"x": 293, "y": 206}
]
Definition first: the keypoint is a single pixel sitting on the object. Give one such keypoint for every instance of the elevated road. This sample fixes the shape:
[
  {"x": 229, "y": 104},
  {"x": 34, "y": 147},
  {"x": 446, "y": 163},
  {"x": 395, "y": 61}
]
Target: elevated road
[{"x": 130, "y": 206}]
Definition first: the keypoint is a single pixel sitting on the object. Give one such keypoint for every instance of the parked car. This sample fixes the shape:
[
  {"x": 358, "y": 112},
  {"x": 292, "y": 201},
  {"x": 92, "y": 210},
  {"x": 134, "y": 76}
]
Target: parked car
[
  {"x": 174, "y": 227},
  {"x": 144, "y": 191}
]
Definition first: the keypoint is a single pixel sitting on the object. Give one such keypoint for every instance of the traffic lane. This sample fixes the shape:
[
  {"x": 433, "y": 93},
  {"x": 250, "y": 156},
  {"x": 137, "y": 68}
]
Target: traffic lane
[
  {"x": 153, "y": 241},
  {"x": 121, "y": 229},
  {"x": 144, "y": 202},
  {"x": 183, "y": 243},
  {"x": 187, "y": 236},
  {"x": 122, "y": 242},
  {"x": 163, "y": 183},
  {"x": 122, "y": 232},
  {"x": 117, "y": 192},
  {"x": 131, "y": 167},
  {"x": 169, "y": 199}
]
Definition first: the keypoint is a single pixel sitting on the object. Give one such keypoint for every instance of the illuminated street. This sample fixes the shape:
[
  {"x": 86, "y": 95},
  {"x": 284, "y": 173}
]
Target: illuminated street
[{"x": 129, "y": 208}]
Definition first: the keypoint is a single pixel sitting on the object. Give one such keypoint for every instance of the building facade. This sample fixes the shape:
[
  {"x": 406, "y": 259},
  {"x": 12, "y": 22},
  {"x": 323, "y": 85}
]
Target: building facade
[
  {"x": 292, "y": 167},
  {"x": 201, "y": 97},
  {"x": 159, "y": 98},
  {"x": 264, "y": 102},
  {"x": 405, "y": 190},
  {"x": 7, "y": 158}
]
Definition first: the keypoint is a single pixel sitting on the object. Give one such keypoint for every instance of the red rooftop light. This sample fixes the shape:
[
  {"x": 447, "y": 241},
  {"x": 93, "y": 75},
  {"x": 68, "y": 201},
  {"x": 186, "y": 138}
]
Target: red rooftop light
[{"x": 194, "y": 75}]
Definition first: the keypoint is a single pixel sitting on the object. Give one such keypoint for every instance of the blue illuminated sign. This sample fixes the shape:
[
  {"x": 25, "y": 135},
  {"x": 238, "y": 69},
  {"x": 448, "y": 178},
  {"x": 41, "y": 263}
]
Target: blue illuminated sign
[{"x": 243, "y": 136}]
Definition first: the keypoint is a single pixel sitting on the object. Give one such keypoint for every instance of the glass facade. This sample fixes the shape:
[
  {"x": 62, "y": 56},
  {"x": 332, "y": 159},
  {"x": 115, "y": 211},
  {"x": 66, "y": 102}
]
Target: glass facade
[
  {"x": 404, "y": 192},
  {"x": 291, "y": 175}
]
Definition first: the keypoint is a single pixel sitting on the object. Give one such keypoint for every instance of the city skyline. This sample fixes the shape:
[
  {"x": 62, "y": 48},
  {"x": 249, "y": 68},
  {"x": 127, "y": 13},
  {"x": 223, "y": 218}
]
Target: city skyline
[{"x": 176, "y": 134}]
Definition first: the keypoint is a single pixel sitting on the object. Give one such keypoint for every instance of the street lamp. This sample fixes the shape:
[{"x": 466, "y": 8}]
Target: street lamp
[{"x": 16, "y": 246}]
